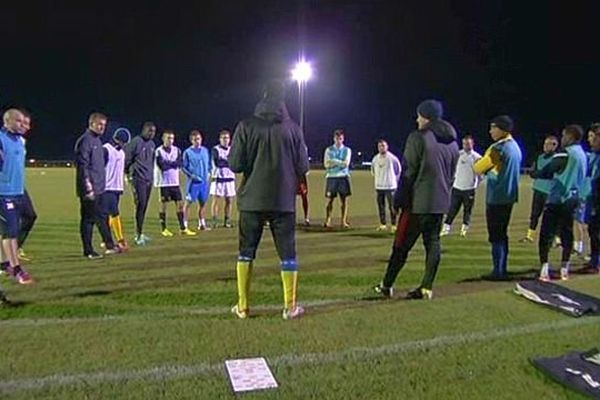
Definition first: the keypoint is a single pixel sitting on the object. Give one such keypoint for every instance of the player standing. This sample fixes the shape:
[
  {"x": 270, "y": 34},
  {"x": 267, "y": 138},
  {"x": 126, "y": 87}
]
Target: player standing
[
  {"x": 223, "y": 181},
  {"x": 386, "y": 169},
  {"x": 337, "y": 166},
  {"x": 197, "y": 167}
]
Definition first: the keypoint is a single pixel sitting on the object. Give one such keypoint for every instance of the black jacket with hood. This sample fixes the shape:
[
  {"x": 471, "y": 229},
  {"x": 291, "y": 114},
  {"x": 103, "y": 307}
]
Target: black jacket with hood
[
  {"x": 430, "y": 155},
  {"x": 269, "y": 150}
]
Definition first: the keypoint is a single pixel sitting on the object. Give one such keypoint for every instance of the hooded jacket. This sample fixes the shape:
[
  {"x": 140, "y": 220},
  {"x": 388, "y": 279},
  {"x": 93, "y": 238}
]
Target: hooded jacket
[
  {"x": 269, "y": 151},
  {"x": 431, "y": 155},
  {"x": 89, "y": 163}
]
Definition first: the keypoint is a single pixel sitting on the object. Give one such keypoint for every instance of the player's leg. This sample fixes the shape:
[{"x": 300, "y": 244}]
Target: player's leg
[
  {"x": 566, "y": 222},
  {"x": 162, "y": 214},
  {"x": 498, "y": 218},
  {"x": 179, "y": 208},
  {"x": 228, "y": 210},
  {"x": 380, "y": 196},
  {"x": 141, "y": 197},
  {"x": 455, "y": 203},
  {"x": 9, "y": 231},
  {"x": 330, "y": 194},
  {"x": 116, "y": 222},
  {"x": 548, "y": 231},
  {"x": 579, "y": 230},
  {"x": 250, "y": 232},
  {"x": 345, "y": 192},
  {"x": 389, "y": 197},
  {"x": 101, "y": 216},
  {"x": 86, "y": 227},
  {"x": 28, "y": 217},
  {"x": 203, "y": 195},
  {"x": 468, "y": 203},
  {"x": 214, "y": 209},
  {"x": 594, "y": 233},
  {"x": 406, "y": 235},
  {"x": 430, "y": 228},
  {"x": 283, "y": 231}
]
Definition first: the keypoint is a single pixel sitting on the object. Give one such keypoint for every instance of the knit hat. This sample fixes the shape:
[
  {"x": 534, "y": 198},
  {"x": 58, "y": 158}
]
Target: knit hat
[
  {"x": 504, "y": 122},
  {"x": 122, "y": 135},
  {"x": 430, "y": 109},
  {"x": 274, "y": 90}
]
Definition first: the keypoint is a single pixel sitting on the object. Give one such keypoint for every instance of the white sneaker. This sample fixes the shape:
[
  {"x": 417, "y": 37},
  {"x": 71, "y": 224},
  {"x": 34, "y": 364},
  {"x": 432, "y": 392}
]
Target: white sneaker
[
  {"x": 381, "y": 228},
  {"x": 564, "y": 274},
  {"x": 241, "y": 314},
  {"x": 294, "y": 313},
  {"x": 545, "y": 273},
  {"x": 445, "y": 230},
  {"x": 463, "y": 230}
]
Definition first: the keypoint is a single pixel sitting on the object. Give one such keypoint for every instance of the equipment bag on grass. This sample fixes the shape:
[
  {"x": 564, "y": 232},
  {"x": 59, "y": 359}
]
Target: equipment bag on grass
[{"x": 559, "y": 297}]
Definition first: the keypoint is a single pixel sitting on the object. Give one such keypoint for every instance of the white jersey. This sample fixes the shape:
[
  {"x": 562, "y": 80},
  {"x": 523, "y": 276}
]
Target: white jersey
[
  {"x": 466, "y": 178},
  {"x": 115, "y": 167},
  {"x": 386, "y": 169}
]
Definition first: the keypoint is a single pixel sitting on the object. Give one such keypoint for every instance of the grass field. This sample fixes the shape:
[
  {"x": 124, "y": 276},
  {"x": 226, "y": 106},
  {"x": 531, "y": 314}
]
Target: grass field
[{"x": 155, "y": 322}]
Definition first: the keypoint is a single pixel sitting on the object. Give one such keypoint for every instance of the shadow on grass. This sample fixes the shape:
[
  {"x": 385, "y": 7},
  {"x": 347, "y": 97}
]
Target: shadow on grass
[
  {"x": 322, "y": 229},
  {"x": 527, "y": 275},
  {"x": 14, "y": 304},
  {"x": 92, "y": 293}
]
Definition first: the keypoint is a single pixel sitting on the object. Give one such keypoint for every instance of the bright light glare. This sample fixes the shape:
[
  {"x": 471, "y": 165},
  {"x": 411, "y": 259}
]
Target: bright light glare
[{"x": 302, "y": 72}]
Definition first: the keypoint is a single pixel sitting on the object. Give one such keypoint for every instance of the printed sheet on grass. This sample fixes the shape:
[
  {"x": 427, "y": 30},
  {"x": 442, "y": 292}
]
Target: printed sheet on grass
[{"x": 250, "y": 374}]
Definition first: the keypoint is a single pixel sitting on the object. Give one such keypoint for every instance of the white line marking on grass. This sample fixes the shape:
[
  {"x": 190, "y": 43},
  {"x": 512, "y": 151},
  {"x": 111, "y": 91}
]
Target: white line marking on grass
[
  {"x": 168, "y": 372},
  {"x": 152, "y": 315}
]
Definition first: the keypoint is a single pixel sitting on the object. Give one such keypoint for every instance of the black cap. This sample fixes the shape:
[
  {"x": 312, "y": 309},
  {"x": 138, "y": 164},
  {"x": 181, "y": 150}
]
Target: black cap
[
  {"x": 430, "y": 109},
  {"x": 504, "y": 122}
]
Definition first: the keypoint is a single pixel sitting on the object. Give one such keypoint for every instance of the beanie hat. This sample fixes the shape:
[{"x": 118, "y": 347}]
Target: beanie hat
[
  {"x": 504, "y": 122},
  {"x": 430, "y": 109},
  {"x": 122, "y": 135}
]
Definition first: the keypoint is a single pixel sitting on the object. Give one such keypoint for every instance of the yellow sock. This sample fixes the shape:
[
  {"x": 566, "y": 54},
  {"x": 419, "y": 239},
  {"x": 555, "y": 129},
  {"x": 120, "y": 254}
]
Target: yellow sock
[
  {"x": 244, "y": 271},
  {"x": 115, "y": 226},
  {"x": 530, "y": 234},
  {"x": 290, "y": 287}
]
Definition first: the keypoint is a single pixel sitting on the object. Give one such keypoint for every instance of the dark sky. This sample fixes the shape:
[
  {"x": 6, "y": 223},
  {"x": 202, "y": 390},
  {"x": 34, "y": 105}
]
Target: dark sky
[{"x": 203, "y": 66}]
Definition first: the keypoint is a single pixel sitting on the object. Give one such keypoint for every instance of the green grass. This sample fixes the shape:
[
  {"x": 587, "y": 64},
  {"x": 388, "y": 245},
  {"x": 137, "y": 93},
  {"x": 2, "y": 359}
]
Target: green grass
[{"x": 166, "y": 305}]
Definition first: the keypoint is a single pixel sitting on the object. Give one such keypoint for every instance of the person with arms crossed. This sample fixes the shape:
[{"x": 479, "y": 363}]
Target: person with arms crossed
[
  {"x": 541, "y": 187},
  {"x": 337, "y": 172},
  {"x": 269, "y": 150},
  {"x": 386, "y": 170},
  {"x": 463, "y": 190},
  {"x": 223, "y": 180},
  {"x": 501, "y": 165},
  {"x": 567, "y": 170},
  {"x": 168, "y": 162}
]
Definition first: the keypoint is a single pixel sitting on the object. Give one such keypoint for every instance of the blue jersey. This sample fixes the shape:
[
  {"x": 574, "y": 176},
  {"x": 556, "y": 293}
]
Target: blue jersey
[
  {"x": 12, "y": 166},
  {"x": 334, "y": 161},
  {"x": 197, "y": 164},
  {"x": 503, "y": 177},
  {"x": 570, "y": 182}
]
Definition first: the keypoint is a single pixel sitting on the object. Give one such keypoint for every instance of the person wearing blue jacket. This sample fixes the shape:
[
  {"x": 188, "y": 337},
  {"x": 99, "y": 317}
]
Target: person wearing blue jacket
[
  {"x": 501, "y": 165},
  {"x": 197, "y": 167},
  {"x": 567, "y": 170}
]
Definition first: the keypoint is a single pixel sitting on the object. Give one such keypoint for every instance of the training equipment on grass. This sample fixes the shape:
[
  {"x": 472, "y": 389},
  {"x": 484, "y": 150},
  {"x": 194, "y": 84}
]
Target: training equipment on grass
[
  {"x": 559, "y": 297},
  {"x": 578, "y": 370},
  {"x": 250, "y": 374}
]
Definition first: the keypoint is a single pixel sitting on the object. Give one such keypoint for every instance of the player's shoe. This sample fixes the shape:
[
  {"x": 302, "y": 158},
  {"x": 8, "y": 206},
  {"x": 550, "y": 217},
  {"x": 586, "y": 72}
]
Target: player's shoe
[
  {"x": 445, "y": 230},
  {"x": 564, "y": 274},
  {"x": 420, "y": 294},
  {"x": 22, "y": 277},
  {"x": 241, "y": 314},
  {"x": 94, "y": 256},
  {"x": 384, "y": 292},
  {"x": 146, "y": 238},
  {"x": 204, "y": 228},
  {"x": 188, "y": 232},
  {"x": 113, "y": 251},
  {"x": 545, "y": 274},
  {"x": 166, "y": 233},
  {"x": 228, "y": 225},
  {"x": 393, "y": 228},
  {"x": 463, "y": 230},
  {"x": 123, "y": 245},
  {"x": 306, "y": 222},
  {"x": 4, "y": 302},
  {"x": 294, "y": 313},
  {"x": 23, "y": 256},
  {"x": 381, "y": 228},
  {"x": 345, "y": 225},
  {"x": 327, "y": 223}
]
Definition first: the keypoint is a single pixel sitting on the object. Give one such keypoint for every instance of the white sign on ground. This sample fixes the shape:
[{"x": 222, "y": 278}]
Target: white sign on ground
[{"x": 250, "y": 374}]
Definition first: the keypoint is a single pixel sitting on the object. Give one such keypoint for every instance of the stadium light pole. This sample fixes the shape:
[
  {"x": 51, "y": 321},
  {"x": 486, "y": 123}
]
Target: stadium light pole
[{"x": 301, "y": 73}]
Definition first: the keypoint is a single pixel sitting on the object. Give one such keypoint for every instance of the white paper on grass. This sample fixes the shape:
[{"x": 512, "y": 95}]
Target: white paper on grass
[{"x": 250, "y": 374}]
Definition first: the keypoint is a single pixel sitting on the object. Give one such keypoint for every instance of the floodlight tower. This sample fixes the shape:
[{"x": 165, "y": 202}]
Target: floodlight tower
[{"x": 301, "y": 73}]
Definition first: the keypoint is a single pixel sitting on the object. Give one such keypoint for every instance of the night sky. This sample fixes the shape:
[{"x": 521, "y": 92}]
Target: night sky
[{"x": 203, "y": 66}]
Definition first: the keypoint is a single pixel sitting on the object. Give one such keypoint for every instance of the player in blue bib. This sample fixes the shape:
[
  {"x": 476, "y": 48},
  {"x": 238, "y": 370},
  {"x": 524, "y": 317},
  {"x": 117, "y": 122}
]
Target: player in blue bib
[{"x": 197, "y": 167}]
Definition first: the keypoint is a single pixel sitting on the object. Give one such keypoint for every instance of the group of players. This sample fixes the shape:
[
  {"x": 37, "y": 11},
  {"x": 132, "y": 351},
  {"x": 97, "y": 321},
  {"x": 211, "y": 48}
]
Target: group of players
[{"x": 434, "y": 180}]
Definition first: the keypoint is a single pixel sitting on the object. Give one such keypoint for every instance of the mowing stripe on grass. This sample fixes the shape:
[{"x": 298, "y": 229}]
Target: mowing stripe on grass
[{"x": 167, "y": 372}]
